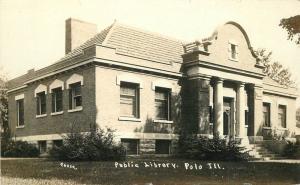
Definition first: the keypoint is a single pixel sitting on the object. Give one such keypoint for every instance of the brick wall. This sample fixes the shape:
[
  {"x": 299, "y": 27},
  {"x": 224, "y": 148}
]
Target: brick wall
[{"x": 55, "y": 124}]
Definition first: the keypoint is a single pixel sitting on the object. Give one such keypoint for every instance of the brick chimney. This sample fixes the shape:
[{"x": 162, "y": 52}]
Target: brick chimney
[{"x": 77, "y": 32}]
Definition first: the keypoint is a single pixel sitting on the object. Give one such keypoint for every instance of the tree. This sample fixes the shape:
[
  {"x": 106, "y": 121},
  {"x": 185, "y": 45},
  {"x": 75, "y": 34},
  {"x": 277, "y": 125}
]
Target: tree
[
  {"x": 298, "y": 117},
  {"x": 292, "y": 26},
  {"x": 5, "y": 133},
  {"x": 274, "y": 70}
]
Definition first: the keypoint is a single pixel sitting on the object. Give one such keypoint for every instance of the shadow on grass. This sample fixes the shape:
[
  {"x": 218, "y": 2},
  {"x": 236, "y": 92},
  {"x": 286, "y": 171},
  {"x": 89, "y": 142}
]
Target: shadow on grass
[{"x": 107, "y": 173}]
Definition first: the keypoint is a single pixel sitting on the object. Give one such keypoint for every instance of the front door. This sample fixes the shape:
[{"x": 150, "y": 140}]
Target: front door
[{"x": 228, "y": 117}]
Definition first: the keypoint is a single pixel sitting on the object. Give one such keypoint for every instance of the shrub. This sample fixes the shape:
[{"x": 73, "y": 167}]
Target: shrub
[
  {"x": 19, "y": 149},
  {"x": 292, "y": 150},
  {"x": 203, "y": 148},
  {"x": 96, "y": 145}
]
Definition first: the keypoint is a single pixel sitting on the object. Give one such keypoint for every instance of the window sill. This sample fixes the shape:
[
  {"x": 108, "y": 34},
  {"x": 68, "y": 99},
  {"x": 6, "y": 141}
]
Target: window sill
[
  {"x": 162, "y": 121},
  {"x": 20, "y": 126},
  {"x": 281, "y": 128},
  {"x": 267, "y": 128},
  {"x": 121, "y": 118},
  {"x": 56, "y": 113},
  {"x": 76, "y": 109},
  {"x": 235, "y": 60},
  {"x": 41, "y": 116}
]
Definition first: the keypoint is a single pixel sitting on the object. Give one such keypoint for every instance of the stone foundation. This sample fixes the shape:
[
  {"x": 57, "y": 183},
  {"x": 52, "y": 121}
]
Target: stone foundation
[{"x": 147, "y": 146}]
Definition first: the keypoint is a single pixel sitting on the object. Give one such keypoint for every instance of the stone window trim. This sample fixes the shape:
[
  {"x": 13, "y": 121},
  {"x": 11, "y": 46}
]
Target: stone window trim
[
  {"x": 124, "y": 118},
  {"x": 21, "y": 126},
  {"x": 282, "y": 102},
  {"x": 236, "y": 46},
  {"x": 57, "y": 113},
  {"x": 75, "y": 78},
  {"x": 78, "y": 109},
  {"x": 162, "y": 84},
  {"x": 282, "y": 128},
  {"x": 129, "y": 79},
  {"x": 40, "y": 116},
  {"x": 19, "y": 97},
  {"x": 56, "y": 84},
  {"x": 163, "y": 121},
  {"x": 40, "y": 88}
]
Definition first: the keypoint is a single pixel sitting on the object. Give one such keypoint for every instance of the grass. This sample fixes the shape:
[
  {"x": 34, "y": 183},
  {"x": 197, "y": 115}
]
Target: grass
[{"x": 43, "y": 171}]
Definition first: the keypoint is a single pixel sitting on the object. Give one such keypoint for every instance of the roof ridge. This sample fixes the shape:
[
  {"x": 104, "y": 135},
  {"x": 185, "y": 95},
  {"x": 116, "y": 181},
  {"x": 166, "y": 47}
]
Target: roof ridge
[
  {"x": 111, "y": 29},
  {"x": 150, "y": 32}
]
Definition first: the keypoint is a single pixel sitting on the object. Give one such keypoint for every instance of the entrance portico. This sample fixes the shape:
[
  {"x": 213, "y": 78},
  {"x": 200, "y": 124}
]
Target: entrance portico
[{"x": 229, "y": 111}]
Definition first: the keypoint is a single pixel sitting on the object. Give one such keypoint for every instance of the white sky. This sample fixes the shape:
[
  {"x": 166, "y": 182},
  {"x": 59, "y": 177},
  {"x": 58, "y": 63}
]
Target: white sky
[{"x": 32, "y": 32}]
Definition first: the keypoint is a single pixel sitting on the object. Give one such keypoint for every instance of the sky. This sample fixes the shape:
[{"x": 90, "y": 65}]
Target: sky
[{"x": 32, "y": 32}]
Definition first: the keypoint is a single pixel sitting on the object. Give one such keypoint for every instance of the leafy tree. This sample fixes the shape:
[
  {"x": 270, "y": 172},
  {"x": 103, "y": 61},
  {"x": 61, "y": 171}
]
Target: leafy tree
[
  {"x": 274, "y": 70},
  {"x": 3, "y": 107},
  {"x": 292, "y": 26},
  {"x": 298, "y": 117}
]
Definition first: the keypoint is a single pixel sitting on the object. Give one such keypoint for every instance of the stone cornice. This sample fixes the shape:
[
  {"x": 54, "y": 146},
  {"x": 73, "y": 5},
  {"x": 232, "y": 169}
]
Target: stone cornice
[
  {"x": 100, "y": 61},
  {"x": 118, "y": 64},
  {"x": 223, "y": 68},
  {"x": 290, "y": 95}
]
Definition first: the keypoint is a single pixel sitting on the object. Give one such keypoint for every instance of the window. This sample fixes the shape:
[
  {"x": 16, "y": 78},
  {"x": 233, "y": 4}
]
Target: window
[
  {"x": 266, "y": 115},
  {"x": 162, "y": 104},
  {"x": 75, "y": 100},
  {"x": 162, "y": 146},
  {"x": 233, "y": 53},
  {"x": 57, "y": 143},
  {"x": 282, "y": 116},
  {"x": 42, "y": 146},
  {"x": 129, "y": 100},
  {"x": 211, "y": 114},
  {"x": 246, "y": 117},
  {"x": 57, "y": 99},
  {"x": 20, "y": 112},
  {"x": 131, "y": 146},
  {"x": 41, "y": 103}
]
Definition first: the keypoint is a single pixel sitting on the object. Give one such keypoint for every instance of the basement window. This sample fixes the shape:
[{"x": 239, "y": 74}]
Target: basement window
[
  {"x": 131, "y": 146},
  {"x": 42, "y": 146},
  {"x": 162, "y": 146},
  {"x": 58, "y": 143}
]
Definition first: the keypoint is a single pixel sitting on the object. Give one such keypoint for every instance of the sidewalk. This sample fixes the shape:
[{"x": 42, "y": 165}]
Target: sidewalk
[
  {"x": 281, "y": 161},
  {"x": 17, "y": 158}
]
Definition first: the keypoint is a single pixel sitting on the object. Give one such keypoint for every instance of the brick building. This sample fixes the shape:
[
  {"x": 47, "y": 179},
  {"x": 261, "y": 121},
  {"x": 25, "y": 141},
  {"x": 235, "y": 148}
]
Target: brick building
[{"x": 145, "y": 85}]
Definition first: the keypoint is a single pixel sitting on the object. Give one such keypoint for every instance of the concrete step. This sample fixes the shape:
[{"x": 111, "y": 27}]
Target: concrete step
[
  {"x": 278, "y": 158},
  {"x": 259, "y": 152},
  {"x": 269, "y": 155}
]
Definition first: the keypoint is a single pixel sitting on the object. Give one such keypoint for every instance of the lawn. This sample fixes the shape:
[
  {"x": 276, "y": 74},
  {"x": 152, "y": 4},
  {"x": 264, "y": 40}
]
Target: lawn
[{"x": 143, "y": 171}]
